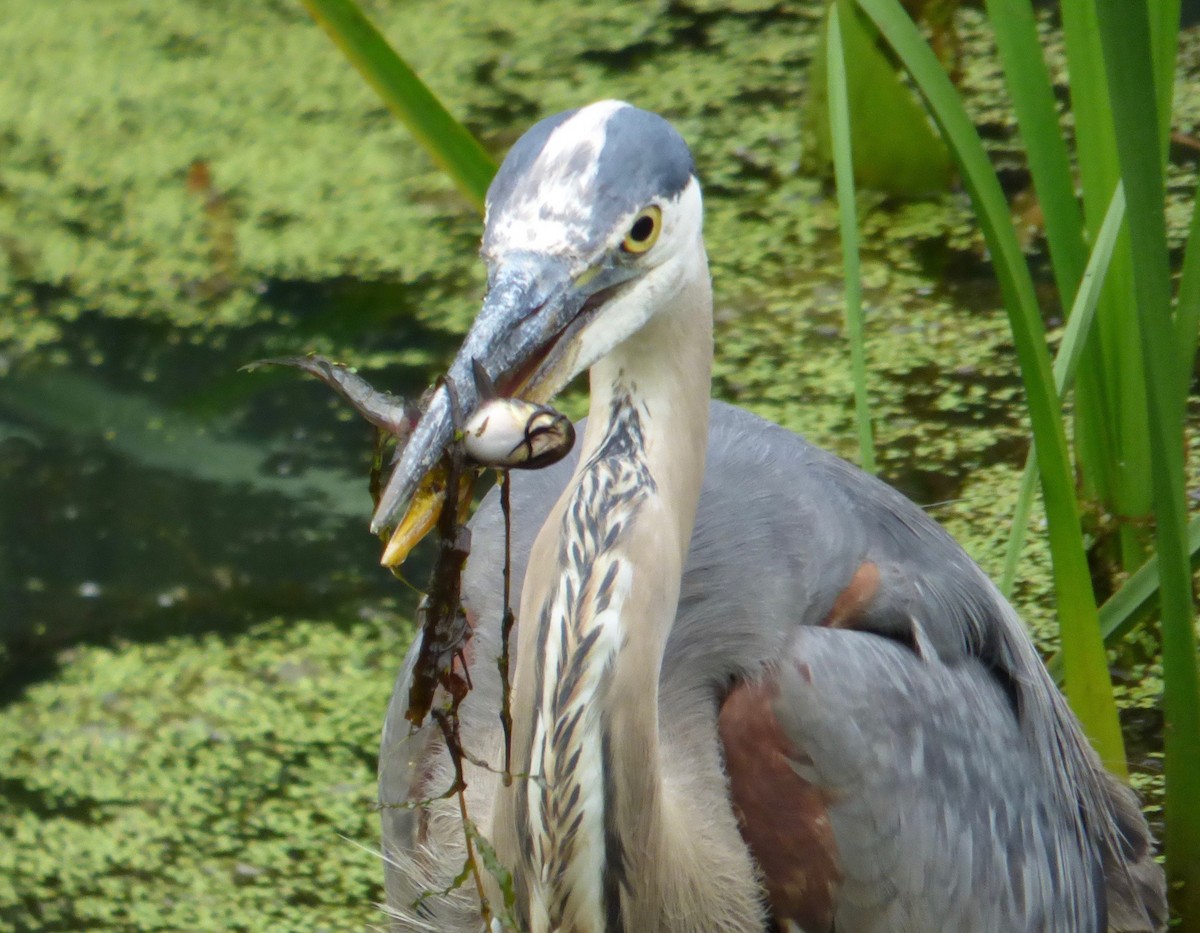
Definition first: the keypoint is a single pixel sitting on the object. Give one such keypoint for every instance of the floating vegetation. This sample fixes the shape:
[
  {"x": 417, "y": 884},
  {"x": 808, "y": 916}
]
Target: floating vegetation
[{"x": 211, "y": 179}]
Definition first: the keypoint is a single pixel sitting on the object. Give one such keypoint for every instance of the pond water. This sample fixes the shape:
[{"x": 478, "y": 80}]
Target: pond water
[
  {"x": 196, "y": 641},
  {"x": 149, "y": 486}
]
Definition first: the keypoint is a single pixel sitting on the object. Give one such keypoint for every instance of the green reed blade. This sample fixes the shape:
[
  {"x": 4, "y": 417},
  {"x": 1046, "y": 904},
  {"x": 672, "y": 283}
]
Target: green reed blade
[
  {"x": 446, "y": 140},
  {"x": 1029, "y": 86},
  {"x": 843, "y": 170},
  {"x": 1125, "y": 33},
  {"x": 1079, "y": 323},
  {"x": 1135, "y": 600},
  {"x": 1187, "y": 306},
  {"x": 1088, "y": 687}
]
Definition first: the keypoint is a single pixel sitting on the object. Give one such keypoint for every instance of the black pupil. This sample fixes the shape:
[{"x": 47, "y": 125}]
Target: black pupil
[{"x": 642, "y": 228}]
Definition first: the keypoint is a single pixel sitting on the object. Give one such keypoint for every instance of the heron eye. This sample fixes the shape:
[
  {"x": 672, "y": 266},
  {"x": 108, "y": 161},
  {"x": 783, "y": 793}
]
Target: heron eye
[{"x": 644, "y": 231}]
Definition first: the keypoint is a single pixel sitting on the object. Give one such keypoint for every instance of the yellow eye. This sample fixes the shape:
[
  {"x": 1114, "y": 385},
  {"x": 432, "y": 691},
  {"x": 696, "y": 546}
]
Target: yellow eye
[{"x": 644, "y": 231}]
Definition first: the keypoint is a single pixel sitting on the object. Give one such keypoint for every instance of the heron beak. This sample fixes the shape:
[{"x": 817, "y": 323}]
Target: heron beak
[
  {"x": 422, "y": 515},
  {"x": 522, "y": 341}
]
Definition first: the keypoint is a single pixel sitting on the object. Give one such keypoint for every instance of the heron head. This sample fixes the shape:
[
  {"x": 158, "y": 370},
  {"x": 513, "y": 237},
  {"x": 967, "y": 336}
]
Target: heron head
[{"x": 591, "y": 220}]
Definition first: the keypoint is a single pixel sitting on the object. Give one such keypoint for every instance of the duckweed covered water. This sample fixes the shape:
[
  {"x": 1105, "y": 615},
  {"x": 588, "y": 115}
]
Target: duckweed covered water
[{"x": 198, "y": 644}]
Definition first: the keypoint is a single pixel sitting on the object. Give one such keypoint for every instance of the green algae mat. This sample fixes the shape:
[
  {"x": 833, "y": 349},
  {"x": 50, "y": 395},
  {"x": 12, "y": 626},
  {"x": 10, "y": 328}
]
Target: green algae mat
[
  {"x": 198, "y": 784},
  {"x": 212, "y": 177}
]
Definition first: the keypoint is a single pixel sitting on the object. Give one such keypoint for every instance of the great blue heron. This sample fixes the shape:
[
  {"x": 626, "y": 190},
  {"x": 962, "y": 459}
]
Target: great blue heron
[{"x": 755, "y": 689}]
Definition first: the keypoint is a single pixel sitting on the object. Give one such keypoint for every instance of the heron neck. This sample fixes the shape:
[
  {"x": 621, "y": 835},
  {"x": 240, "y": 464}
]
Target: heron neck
[
  {"x": 663, "y": 375},
  {"x": 588, "y": 833}
]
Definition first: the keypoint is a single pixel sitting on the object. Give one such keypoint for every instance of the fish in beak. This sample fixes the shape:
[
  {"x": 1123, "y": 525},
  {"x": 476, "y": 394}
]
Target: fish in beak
[{"x": 521, "y": 343}]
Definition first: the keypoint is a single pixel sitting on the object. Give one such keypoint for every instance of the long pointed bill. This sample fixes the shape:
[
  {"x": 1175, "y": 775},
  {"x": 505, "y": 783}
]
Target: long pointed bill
[{"x": 521, "y": 339}]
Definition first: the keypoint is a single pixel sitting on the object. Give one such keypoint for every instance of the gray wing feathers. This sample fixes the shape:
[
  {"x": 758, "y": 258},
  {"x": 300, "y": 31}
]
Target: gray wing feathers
[
  {"x": 934, "y": 596},
  {"x": 938, "y": 823},
  {"x": 1137, "y": 892}
]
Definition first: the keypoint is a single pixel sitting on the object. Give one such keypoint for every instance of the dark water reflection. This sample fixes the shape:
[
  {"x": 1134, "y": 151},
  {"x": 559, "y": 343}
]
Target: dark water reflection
[{"x": 147, "y": 487}]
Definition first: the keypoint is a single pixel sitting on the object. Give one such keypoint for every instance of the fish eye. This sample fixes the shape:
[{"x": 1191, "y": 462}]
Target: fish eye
[{"x": 644, "y": 231}]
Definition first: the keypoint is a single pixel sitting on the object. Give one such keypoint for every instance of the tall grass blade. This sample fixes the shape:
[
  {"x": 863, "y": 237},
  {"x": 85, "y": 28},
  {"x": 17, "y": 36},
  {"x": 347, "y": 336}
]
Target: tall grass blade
[
  {"x": 1111, "y": 433},
  {"x": 446, "y": 140},
  {"x": 1088, "y": 687},
  {"x": 1125, "y": 33},
  {"x": 1032, "y": 93},
  {"x": 1164, "y": 49},
  {"x": 1187, "y": 306},
  {"x": 843, "y": 171},
  {"x": 895, "y": 149},
  {"x": 1079, "y": 323},
  {"x": 1135, "y": 600}
]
